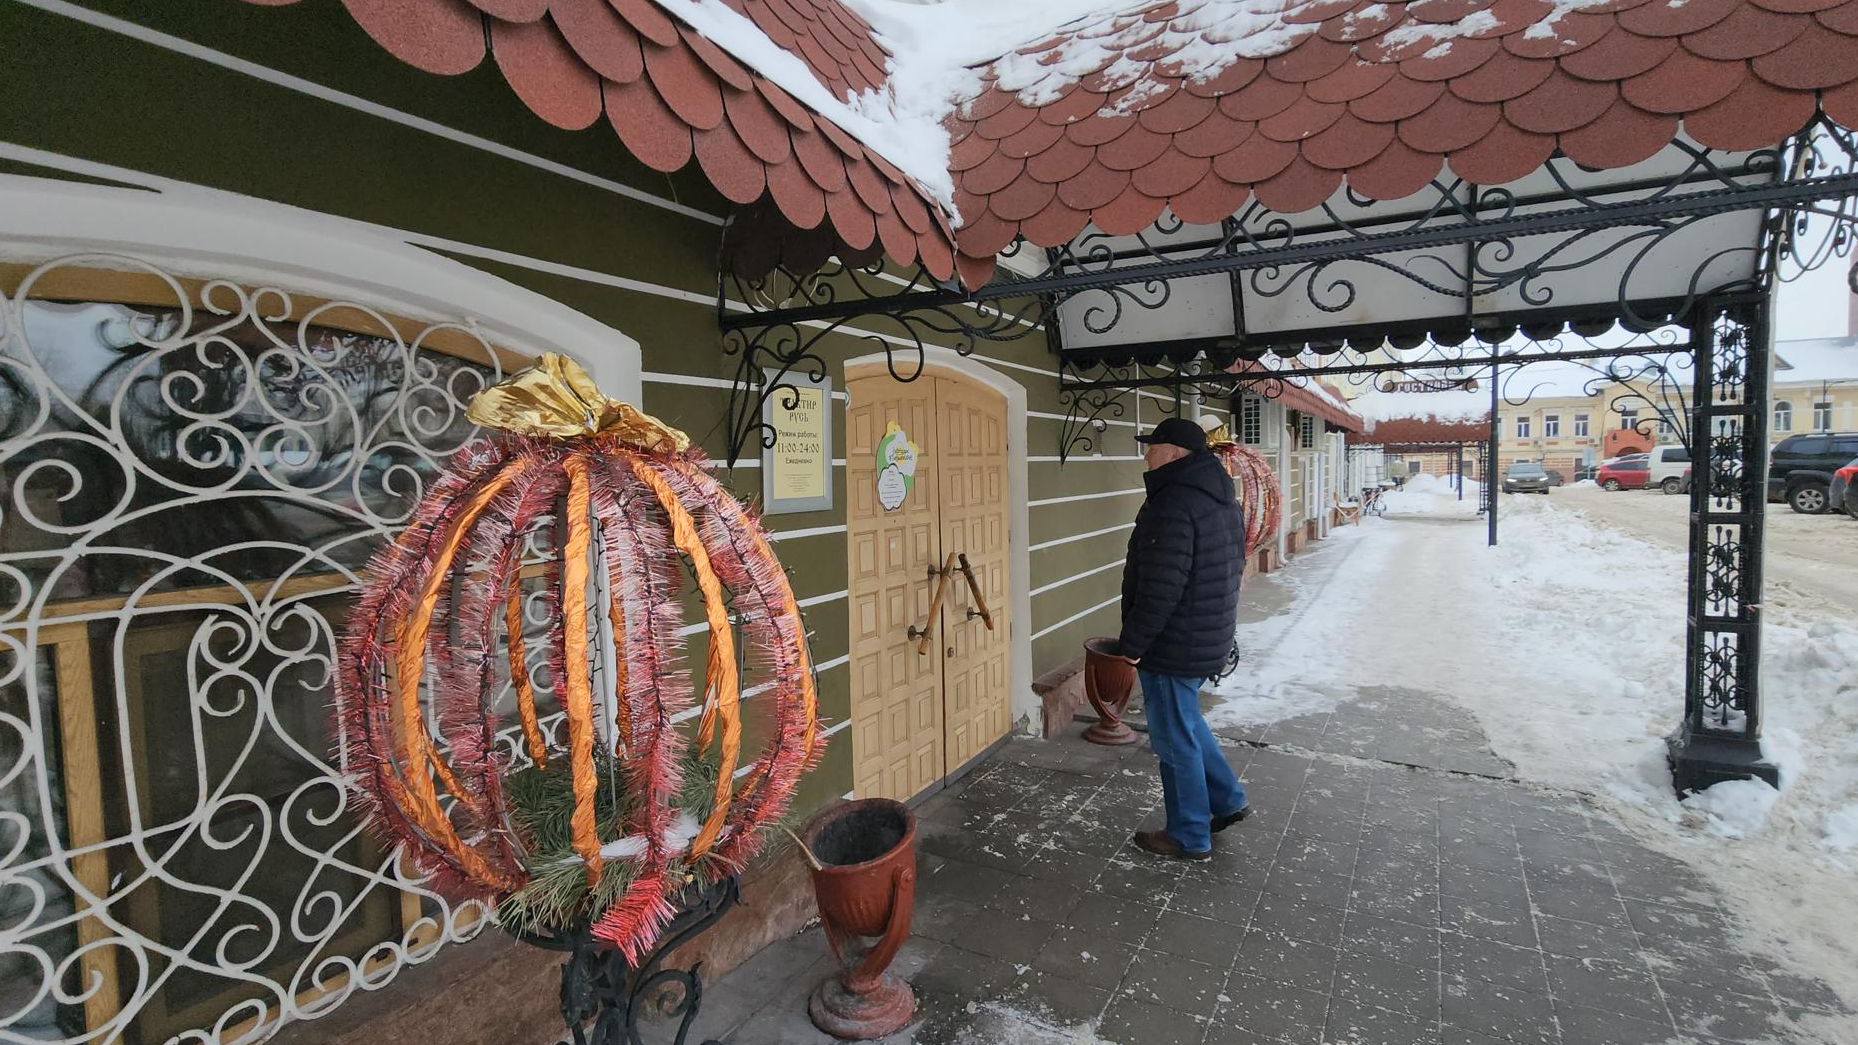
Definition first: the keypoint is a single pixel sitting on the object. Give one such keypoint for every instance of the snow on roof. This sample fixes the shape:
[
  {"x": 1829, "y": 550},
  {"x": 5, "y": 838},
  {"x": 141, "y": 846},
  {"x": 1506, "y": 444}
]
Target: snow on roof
[
  {"x": 909, "y": 135},
  {"x": 1816, "y": 360}
]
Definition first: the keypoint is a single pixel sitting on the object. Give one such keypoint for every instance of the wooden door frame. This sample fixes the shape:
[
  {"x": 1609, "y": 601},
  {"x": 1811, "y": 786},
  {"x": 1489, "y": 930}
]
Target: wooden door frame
[{"x": 1023, "y": 703}]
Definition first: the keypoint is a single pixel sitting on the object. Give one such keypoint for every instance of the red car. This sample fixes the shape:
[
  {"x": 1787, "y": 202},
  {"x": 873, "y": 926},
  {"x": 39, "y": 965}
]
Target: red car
[{"x": 1625, "y": 475}]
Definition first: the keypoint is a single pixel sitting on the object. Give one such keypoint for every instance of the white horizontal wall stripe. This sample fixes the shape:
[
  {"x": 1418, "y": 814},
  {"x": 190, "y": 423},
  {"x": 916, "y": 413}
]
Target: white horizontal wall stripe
[
  {"x": 1077, "y": 577},
  {"x": 816, "y": 531},
  {"x": 689, "y": 713},
  {"x": 818, "y": 600},
  {"x": 1085, "y": 497},
  {"x": 1079, "y": 615},
  {"x": 755, "y": 462},
  {"x": 1055, "y": 542},
  {"x": 1062, "y": 417},
  {"x": 654, "y": 377},
  {"x": 553, "y": 268},
  {"x": 1055, "y": 459},
  {"x": 362, "y": 105}
]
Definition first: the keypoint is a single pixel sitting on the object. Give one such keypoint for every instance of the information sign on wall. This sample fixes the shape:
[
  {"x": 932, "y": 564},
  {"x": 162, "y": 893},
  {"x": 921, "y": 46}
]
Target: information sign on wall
[{"x": 796, "y": 472}]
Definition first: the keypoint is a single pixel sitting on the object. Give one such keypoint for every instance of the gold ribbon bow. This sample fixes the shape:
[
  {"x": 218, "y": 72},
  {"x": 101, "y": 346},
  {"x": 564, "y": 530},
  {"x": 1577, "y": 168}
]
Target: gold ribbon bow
[
  {"x": 1220, "y": 436},
  {"x": 557, "y": 399}
]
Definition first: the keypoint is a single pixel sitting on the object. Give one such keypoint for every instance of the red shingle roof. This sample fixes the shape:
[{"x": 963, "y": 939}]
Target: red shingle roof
[
  {"x": 1397, "y": 431},
  {"x": 1194, "y": 105},
  {"x": 674, "y": 97},
  {"x": 1199, "y": 105}
]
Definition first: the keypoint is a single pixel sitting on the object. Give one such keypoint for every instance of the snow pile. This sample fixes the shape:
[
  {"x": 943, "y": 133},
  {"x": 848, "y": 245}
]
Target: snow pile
[
  {"x": 1427, "y": 494},
  {"x": 1567, "y": 647}
]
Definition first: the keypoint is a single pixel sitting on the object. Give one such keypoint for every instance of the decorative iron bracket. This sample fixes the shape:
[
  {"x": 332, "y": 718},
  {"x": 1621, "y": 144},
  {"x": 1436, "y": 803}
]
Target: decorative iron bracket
[{"x": 603, "y": 997}]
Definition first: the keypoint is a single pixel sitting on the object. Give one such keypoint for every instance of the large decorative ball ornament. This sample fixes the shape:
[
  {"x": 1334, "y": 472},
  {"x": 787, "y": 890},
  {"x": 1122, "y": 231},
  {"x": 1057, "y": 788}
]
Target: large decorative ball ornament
[
  {"x": 604, "y": 518},
  {"x": 1260, "y": 493}
]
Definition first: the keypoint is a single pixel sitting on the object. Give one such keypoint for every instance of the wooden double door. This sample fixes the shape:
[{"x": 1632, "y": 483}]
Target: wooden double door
[{"x": 920, "y": 712}]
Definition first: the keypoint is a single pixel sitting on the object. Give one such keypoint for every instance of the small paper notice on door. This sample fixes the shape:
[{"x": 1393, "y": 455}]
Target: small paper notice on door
[
  {"x": 896, "y": 464},
  {"x": 891, "y": 489}
]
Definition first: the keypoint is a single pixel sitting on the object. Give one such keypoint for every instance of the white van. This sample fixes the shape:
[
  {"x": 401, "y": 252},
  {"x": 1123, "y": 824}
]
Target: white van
[{"x": 1667, "y": 465}]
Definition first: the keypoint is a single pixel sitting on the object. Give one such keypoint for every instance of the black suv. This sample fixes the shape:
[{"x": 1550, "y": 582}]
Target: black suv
[{"x": 1800, "y": 468}]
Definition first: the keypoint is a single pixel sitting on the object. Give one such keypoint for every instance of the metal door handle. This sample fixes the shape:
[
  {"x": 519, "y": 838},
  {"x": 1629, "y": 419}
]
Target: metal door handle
[
  {"x": 974, "y": 588},
  {"x": 935, "y": 606}
]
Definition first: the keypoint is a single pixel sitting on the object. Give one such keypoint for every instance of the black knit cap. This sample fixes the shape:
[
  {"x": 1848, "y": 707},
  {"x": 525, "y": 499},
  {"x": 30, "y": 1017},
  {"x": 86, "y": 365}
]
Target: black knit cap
[{"x": 1177, "y": 431}]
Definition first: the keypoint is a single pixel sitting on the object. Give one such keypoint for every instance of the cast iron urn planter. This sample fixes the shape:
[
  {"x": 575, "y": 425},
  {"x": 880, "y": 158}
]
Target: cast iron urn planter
[
  {"x": 865, "y": 880},
  {"x": 1109, "y": 682}
]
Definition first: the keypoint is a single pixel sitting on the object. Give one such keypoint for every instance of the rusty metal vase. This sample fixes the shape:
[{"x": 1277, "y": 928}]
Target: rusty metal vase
[
  {"x": 1109, "y": 682},
  {"x": 866, "y": 889}
]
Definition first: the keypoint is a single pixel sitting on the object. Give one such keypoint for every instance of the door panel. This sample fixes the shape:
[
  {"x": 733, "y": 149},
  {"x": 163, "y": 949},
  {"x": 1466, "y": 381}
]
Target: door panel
[
  {"x": 917, "y": 717},
  {"x": 974, "y": 523},
  {"x": 896, "y": 693}
]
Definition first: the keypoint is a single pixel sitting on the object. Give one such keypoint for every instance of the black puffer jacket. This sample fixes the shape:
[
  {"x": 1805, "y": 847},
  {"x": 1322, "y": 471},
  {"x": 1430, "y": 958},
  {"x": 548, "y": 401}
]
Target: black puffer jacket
[{"x": 1181, "y": 582}]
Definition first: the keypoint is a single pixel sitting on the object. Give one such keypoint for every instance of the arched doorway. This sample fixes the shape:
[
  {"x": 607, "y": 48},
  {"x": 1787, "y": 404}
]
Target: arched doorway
[{"x": 927, "y": 477}]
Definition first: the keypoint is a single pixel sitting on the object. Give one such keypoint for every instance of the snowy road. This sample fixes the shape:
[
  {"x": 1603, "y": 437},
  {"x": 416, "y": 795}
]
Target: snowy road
[
  {"x": 1566, "y": 643},
  {"x": 1810, "y": 558}
]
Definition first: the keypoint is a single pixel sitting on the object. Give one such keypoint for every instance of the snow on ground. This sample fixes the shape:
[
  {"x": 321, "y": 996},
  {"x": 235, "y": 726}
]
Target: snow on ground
[
  {"x": 1566, "y": 643},
  {"x": 1425, "y": 494}
]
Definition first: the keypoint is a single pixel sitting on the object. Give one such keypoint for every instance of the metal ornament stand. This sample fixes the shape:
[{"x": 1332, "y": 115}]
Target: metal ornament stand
[{"x": 603, "y": 997}]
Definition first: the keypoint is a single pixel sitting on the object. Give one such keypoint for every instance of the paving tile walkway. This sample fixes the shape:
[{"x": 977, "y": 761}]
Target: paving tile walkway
[{"x": 1393, "y": 889}]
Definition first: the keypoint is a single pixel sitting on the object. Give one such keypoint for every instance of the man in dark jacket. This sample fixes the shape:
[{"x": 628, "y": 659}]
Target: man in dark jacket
[{"x": 1180, "y": 606}]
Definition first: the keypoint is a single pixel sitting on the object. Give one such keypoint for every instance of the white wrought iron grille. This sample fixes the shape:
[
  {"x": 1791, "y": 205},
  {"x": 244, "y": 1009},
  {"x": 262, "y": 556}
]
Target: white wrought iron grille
[{"x": 191, "y": 477}]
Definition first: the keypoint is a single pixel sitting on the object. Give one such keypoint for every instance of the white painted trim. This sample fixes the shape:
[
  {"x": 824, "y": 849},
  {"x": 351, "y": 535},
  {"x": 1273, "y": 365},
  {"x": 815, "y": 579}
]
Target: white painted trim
[
  {"x": 1019, "y": 516},
  {"x": 357, "y": 103},
  {"x": 655, "y": 377},
  {"x": 692, "y": 712},
  {"x": 747, "y": 462},
  {"x": 1079, "y": 615},
  {"x": 1085, "y": 497},
  {"x": 1060, "y": 417},
  {"x": 255, "y": 243},
  {"x": 815, "y": 531},
  {"x": 818, "y": 600},
  {"x": 1056, "y": 541},
  {"x": 1077, "y": 577},
  {"x": 1055, "y": 459}
]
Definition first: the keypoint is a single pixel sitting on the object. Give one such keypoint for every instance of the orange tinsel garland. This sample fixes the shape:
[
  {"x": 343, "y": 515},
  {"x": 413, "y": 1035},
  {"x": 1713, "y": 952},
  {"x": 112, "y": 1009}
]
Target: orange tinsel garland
[{"x": 626, "y": 505}]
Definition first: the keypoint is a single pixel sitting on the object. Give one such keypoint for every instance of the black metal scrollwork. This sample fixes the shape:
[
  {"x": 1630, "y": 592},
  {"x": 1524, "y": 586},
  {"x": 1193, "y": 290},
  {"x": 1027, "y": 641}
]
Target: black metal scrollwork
[
  {"x": 603, "y": 998},
  {"x": 774, "y": 327}
]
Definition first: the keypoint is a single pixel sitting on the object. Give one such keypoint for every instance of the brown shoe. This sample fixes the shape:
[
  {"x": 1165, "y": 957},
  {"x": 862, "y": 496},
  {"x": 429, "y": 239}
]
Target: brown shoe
[{"x": 1162, "y": 844}]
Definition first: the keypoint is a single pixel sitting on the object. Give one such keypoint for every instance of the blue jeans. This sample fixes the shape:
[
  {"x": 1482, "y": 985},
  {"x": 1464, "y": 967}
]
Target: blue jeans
[{"x": 1195, "y": 778}]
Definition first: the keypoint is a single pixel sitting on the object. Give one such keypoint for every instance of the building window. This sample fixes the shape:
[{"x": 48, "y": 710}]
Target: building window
[
  {"x": 1783, "y": 416},
  {"x": 1306, "y": 432},
  {"x": 1628, "y": 417},
  {"x": 198, "y": 652},
  {"x": 1822, "y": 417},
  {"x": 1251, "y": 421},
  {"x": 1666, "y": 433},
  {"x": 1551, "y": 426},
  {"x": 1580, "y": 426},
  {"x": 1522, "y": 428}
]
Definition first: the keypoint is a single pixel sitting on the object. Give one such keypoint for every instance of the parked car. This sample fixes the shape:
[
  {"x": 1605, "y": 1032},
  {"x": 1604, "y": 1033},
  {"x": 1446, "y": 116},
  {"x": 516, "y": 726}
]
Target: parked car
[
  {"x": 1525, "y": 477},
  {"x": 1843, "y": 493},
  {"x": 1800, "y": 469},
  {"x": 1555, "y": 478},
  {"x": 1667, "y": 465},
  {"x": 1625, "y": 475}
]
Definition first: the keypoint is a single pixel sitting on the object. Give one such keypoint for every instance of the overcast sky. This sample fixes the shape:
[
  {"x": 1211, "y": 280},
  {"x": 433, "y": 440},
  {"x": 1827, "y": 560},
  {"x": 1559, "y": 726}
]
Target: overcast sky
[{"x": 1815, "y": 305}]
